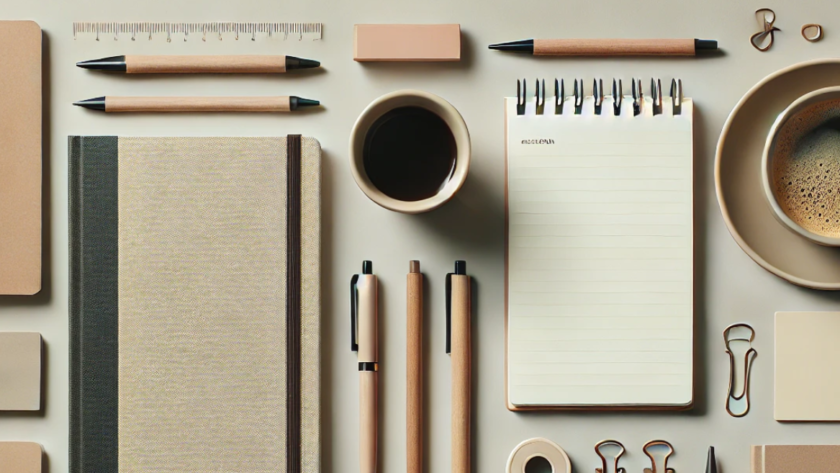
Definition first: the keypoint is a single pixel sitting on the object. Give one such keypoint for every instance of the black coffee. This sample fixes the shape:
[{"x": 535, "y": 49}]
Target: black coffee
[{"x": 409, "y": 153}]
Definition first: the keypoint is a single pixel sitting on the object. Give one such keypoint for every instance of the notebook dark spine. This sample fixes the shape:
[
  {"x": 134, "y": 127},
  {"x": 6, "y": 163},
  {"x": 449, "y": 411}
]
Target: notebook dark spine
[{"x": 93, "y": 304}]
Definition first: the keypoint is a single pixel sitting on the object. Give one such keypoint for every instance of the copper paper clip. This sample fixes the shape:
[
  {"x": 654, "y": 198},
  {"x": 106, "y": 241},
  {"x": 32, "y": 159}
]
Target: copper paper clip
[
  {"x": 613, "y": 449},
  {"x": 763, "y": 40},
  {"x": 738, "y": 339},
  {"x": 658, "y": 451}
]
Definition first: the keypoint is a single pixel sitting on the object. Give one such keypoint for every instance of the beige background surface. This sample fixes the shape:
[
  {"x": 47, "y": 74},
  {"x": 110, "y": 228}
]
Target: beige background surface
[{"x": 730, "y": 287}]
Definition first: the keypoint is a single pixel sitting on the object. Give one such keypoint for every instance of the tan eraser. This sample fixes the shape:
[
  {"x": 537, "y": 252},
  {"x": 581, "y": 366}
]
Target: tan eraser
[
  {"x": 20, "y": 371},
  {"x": 407, "y": 43},
  {"x": 20, "y": 457}
]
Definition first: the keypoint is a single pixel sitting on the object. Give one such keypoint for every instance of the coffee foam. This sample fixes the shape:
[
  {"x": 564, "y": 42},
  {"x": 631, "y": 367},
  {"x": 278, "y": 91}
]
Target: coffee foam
[{"x": 806, "y": 168}]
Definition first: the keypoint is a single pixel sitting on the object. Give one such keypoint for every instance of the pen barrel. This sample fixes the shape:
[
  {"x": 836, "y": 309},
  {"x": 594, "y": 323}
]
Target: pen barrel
[
  {"x": 247, "y": 64},
  {"x": 197, "y": 104},
  {"x": 414, "y": 373},
  {"x": 614, "y": 47},
  {"x": 461, "y": 354},
  {"x": 368, "y": 419},
  {"x": 368, "y": 318}
]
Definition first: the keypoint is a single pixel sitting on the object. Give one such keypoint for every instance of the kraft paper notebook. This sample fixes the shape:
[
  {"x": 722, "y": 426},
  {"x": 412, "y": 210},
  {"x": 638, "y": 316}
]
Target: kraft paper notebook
[
  {"x": 599, "y": 262},
  {"x": 20, "y": 158},
  {"x": 807, "y": 383},
  {"x": 20, "y": 457},
  {"x": 195, "y": 304},
  {"x": 795, "y": 458}
]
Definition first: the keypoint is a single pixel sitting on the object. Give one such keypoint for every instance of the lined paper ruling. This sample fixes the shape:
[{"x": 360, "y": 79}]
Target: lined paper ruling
[{"x": 600, "y": 257}]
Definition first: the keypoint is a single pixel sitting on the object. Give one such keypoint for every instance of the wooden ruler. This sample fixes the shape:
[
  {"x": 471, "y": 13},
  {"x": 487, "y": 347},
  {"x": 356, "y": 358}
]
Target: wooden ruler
[{"x": 197, "y": 31}]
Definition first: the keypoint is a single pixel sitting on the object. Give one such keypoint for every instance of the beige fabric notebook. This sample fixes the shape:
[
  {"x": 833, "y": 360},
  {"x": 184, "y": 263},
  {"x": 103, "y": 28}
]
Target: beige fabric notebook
[
  {"x": 20, "y": 158},
  {"x": 807, "y": 384},
  {"x": 20, "y": 371},
  {"x": 20, "y": 457},
  {"x": 201, "y": 304},
  {"x": 599, "y": 257},
  {"x": 795, "y": 458}
]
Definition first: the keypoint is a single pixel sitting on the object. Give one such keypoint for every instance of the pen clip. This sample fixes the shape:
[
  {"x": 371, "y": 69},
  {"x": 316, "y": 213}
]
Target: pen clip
[
  {"x": 449, "y": 312},
  {"x": 354, "y": 309}
]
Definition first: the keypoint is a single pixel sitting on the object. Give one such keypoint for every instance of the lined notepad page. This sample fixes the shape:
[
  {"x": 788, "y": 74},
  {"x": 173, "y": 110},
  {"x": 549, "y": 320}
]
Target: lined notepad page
[{"x": 600, "y": 263}]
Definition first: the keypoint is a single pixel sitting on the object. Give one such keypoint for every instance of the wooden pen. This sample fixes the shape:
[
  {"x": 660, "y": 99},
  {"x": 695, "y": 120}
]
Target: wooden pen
[
  {"x": 196, "y": 104},
  {"x": 414, "y": 369},
  {"x": 609, "y": 47},
  {"x": 364, "y": 339},
  {"x": 244, "y": 64},
  {"x": 459, "y": 345}
]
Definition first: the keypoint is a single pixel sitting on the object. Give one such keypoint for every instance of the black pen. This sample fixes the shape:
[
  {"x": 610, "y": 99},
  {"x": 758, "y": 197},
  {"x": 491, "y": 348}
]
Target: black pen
[{"x": 245, "y": 64}]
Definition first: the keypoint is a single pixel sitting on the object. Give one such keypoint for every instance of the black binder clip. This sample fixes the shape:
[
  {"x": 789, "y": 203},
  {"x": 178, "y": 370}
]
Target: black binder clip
[
  {"x": 676, "y": 96},
  {"x": 559, "y": 96},
  {"x": 618, "y": 96},
  {"x": 598, "y": 94},
  {"x": 578, "y": 96},
  {"x": 637, "y": 96},
  {"x": 613, "y": 449},
  {"x": 539, "y": 97},
  {"x": 520, "y": 97},
  {"x": 656, "y": 96},
  {"x": 658, "y": 451}
]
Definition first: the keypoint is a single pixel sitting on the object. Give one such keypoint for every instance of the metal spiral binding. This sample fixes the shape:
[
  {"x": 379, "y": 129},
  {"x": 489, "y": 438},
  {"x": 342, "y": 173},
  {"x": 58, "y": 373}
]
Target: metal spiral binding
[{"x": 598, "y": 93}]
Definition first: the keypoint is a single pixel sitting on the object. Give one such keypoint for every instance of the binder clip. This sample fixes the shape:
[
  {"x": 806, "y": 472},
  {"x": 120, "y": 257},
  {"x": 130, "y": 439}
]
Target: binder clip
[
  {"x": 656, "y": 96},
  {"x": 658, "y": 451},
  {"x": 676, "y": 96},
  {"x": 617, "y": 96},
  {"x": 539, "y": 97},
  {"x": 520, "y": 97},
  {"x": 598, "y": 94},
  {"x": 578, "y": 96},
  {"x": 738, "y": 339},
  {"x": 613, "y": 449},
  {"x": 559, "y": 96},
  {"x": 637, "y": 96}
]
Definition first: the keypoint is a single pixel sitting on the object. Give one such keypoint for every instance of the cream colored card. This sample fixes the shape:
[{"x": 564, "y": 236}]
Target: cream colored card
[
  {"x": 20, "y": 457},
  {"x": 807, "y": 366},
  {"x": 20, "y": 371}
]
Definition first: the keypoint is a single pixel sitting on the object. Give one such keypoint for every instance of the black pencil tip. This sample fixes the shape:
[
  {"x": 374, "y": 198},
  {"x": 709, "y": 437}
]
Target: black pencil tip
[
  {"x": 298, "y": 102},
  {"x": 96, "y": 103},
  {"x": 525, "y": 45},
  {"x": 113, "y": 63},
  {"x": 300, "y": 63},
  {"x": 711, "y": 461}
]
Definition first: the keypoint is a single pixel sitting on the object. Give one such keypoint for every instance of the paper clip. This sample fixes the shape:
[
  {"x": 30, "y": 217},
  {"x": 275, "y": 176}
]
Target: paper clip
[
  {"x": 611, "y": 445},
  {"x": 812, "y": 32},
  {"x": 658, "y": 451},
  {"x": 765, "y": 17},
  {"x": 738, "y": 395}
]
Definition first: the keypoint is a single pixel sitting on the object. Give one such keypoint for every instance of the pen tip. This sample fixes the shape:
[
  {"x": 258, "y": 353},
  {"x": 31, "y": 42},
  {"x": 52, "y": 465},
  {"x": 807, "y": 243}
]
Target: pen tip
[
  {"x": 367, "y": 267},
  {"x": 461, "y": 267},
  {"x": 414, "y": 266}
]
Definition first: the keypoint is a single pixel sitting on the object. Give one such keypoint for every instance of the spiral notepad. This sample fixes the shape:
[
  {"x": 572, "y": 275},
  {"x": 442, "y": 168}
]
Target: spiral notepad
[{"x": 599, "y": 261}]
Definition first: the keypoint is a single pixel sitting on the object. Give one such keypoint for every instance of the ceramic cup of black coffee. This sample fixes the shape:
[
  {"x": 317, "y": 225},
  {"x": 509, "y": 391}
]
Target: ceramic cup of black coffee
[
  {"x": 410, "y": 151},
  {"x": 801, "y": 166}
]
